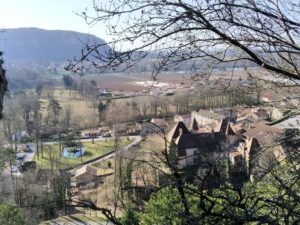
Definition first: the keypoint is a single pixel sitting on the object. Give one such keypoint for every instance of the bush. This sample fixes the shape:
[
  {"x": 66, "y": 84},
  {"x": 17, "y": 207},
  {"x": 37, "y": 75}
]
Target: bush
[
  {"x": 24, "y": 140},
  {"x": 129, "y": 217},
  {"x": 11, "y": 215}
]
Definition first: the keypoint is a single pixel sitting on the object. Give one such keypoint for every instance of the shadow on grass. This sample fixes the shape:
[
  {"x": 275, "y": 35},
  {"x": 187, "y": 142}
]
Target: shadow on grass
[
  {"x": 86, "y": 221},
  {"x": 88, "y": 154},
  {"x": 97, "y": 219},
  {"x": 74, "y": 218}
]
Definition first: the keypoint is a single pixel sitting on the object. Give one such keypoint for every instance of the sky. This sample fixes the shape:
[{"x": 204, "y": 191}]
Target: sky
[{"x": 48, "y": 14}]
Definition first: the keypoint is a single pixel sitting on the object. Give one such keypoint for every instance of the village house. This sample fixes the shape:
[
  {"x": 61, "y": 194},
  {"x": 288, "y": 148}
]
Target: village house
[
  {"x": 293, "y": 122},
  {"x": 155, "y": 126},
  {"x": 266, "y": 97},
  {"x": 276, "y": 114},
  {"x": 186, "y": 119},
  {"x": 162, "y": 123},
  {"x": 265, "y": 135},
  {"x": 135, "y": 130},
  {"x": 203, "y": 148},
  {"x": 120, "y": 129},
  {"x": 262, "y": 147},
  {"x": 245, "y": 118},
  {"x": 89, "y": 133},
  {"x": 262, "y": 113},
  {"x": 204, "y": 120},
  {"x": 85, "y": 175},
  {"x": 259, "y": 113},
  {"x": 289, "y": 102},
  {"x": 238, "y": 143}
]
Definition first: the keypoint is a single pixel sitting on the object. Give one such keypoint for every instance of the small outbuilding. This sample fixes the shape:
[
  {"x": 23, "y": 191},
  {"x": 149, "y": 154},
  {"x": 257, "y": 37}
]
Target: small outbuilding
[{"x": 85, "y": 175}]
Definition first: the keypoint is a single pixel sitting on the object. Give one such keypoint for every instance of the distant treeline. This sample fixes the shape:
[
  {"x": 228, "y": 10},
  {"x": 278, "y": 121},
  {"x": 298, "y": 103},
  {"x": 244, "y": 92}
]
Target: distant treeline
[
  {"x": 223, "y": 100},
  {"x": 167, "y": 106}
]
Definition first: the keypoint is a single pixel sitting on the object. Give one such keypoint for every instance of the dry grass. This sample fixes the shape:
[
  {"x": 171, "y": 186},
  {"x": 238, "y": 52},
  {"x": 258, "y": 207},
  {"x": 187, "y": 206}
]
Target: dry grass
[
  {"x": 81, "y": 110},
  {"x": 103, "y": 195},
  {"x": 84, "y": 218}
]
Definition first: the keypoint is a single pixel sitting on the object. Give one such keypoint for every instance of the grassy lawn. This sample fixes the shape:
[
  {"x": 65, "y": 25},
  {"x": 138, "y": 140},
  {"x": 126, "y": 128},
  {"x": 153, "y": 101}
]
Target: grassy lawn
[{"x": 53, "y": 159}]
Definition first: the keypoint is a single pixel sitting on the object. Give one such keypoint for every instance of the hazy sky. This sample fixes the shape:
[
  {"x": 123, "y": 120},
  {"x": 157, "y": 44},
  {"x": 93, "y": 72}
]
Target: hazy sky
[{"x": 48, "y": 14}]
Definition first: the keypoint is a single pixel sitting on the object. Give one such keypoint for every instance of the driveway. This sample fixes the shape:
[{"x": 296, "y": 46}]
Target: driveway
[
  {"x": 137, "y": 140},
  {"x": 81, "y": 140},
  {"x": 29, "y": 155}
]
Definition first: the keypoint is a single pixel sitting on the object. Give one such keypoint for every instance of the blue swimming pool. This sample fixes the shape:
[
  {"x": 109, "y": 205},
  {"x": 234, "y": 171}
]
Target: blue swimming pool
[{"x": 73, "y": 153}]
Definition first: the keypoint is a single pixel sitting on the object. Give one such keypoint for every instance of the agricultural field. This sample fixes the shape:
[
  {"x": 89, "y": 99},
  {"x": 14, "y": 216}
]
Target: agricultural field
[{"x": 81, "y": 110}]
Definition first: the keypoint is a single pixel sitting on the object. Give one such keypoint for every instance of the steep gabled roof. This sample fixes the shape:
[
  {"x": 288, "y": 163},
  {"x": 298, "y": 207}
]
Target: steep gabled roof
[
  {"x": 159, "y": 122},
  {"x": 209, "y": 114},
  {"x": 204, "y": 142},
  {"x": 86, "y": 169},
  {"x": 178, "y": 129},
  {"x": 120, "y": 127},
  {"x": 195, "y": 125},
  {"x": 263, "y": 133},
  {"x": 225, "y": 127}
]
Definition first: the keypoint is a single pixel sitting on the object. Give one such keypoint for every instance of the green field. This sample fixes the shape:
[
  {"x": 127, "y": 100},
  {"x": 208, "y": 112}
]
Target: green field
[{"x": 52, "y": 159}]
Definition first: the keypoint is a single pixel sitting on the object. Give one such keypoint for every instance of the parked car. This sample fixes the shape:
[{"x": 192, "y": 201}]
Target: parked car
[
  {"x": 27, "y": 148},
  {"x": 105, "y": 135},
  {"x": 136, "y": 144},
  {"x": 13, "y": 169},
  {"x": 20, "y": 156},
  {"x": 28, "y": 165}
]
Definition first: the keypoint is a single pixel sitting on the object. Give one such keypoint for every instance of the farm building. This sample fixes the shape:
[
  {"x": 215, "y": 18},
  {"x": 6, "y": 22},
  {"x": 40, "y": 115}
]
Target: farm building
[{"x": 85, "y": 175}]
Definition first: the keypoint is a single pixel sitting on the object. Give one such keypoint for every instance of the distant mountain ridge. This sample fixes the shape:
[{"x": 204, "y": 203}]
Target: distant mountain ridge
[{"x": 38, "y": 45}]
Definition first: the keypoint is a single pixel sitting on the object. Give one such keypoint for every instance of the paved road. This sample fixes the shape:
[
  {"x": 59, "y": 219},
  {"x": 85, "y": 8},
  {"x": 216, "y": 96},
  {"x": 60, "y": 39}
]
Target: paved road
[
  {"x": 6, "y": 173},
  {"x": 8, "y": 179},
  {"x": 29, "y": 155},
  {"x": 137, "y": 140},
  {"x": 89, "y": 139}
]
